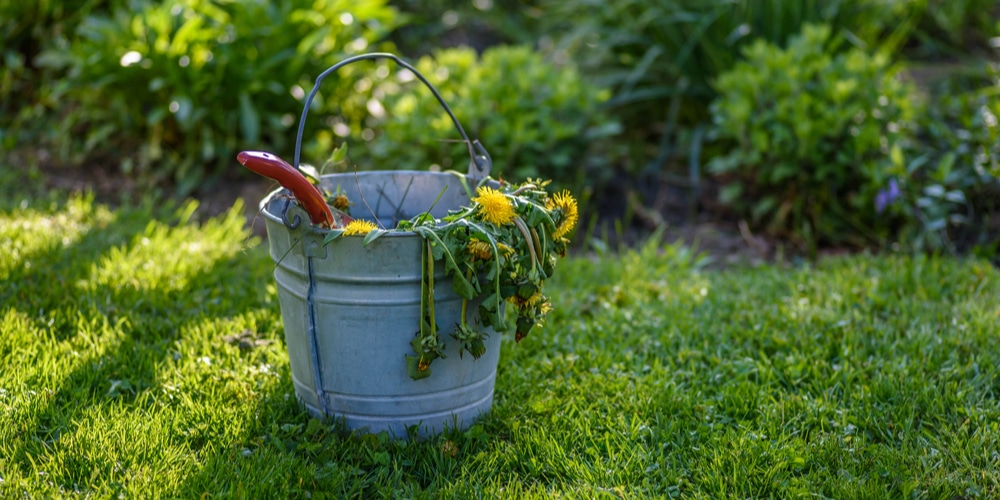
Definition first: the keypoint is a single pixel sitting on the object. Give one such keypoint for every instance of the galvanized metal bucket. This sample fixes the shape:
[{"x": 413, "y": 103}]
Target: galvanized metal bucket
[{"x": 350, "y": 310}]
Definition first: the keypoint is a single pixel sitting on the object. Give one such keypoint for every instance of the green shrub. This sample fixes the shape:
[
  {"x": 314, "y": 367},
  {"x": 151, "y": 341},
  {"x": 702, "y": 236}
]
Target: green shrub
[
  {"x": 536, "y": 119},
  {"x": 660, "y": 58},
  {"x": 458, "y": 23},
  {"x": 172, "y": 89},
  {"x": 28, "y": 28},
  {"x": 953, "y": 28},
  {"x": 955, "y": 171},
  {"x": 813, "y": 135}
]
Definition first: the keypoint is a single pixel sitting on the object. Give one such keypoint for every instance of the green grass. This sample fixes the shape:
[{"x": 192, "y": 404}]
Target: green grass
[{"x": 860, "y": 377}]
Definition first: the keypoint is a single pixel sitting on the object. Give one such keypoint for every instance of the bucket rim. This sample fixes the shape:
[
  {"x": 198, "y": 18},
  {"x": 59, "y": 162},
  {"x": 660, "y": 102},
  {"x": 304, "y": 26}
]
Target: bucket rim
[{"x": 389, "y": 232}]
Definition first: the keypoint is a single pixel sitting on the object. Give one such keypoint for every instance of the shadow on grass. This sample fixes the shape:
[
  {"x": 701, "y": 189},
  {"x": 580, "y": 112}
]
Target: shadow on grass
[{"x": 120, "y": 341}]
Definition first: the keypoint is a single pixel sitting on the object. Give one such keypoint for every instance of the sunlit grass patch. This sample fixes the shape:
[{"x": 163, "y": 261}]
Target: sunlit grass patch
[
  {"x": 142, "y": 354},
  {"x": 25, "y": 233}
]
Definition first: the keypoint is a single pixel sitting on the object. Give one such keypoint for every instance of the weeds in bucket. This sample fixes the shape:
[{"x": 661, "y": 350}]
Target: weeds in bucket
[{"x": 500, "y": 249}]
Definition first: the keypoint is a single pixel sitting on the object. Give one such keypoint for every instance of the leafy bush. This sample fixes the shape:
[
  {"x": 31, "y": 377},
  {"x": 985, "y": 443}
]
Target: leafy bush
[
  {"x": 955, "y": 172},
  {"x": 950, "y": 28},
  {"x": 813, "y": 137},
  {"x": 657, "y": 56},
  {"x": 459, "y": 23},
  {"x": 536, "y": 119},
  {"x": 187, "y": 83},
  {"x": 28, "y": 28}
]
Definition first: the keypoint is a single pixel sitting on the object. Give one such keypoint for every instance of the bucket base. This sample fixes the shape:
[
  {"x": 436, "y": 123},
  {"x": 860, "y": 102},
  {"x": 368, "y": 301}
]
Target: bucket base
[{"x": 388, "y": 413}]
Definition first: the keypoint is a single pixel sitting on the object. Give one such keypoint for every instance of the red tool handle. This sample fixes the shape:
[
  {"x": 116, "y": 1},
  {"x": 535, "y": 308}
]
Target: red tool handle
[{"x": 311, "y": 199}]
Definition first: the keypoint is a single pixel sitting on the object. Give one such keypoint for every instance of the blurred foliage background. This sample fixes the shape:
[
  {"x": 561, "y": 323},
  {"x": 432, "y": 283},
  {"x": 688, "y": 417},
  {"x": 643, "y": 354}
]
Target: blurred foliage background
[{"x": 819, "y": 123}]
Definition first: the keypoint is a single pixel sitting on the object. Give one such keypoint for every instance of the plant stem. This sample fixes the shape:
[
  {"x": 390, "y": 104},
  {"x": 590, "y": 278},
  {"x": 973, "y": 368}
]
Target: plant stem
[
  {"x": 430, "y": 287},
  {"x": 538, "y": 244},
  {"x": 465, "y": 301},
  {"x": 423, "y": 290},
  {"x": 523, "y": 189},
  {"x": 521, "y": 226}
]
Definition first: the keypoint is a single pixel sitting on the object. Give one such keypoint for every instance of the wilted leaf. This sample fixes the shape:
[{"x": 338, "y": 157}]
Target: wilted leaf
[
  {"x": 332, "y": 235},
  {"x": 373, "y": 235}
]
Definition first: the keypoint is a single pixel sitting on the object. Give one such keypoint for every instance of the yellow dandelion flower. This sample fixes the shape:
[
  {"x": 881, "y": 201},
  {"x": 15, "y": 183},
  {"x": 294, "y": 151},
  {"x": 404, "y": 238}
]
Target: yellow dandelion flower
[
  {"x": 479, "y": 249},
  {"x": 358, "y": 226},
  {"x": 341, "y": 202},
  {"x": 494, "y": 206},
  {"x": 504, "y": 248},
  {"x": 565, "y": 202},
  {"x": 523, "y": 303}
]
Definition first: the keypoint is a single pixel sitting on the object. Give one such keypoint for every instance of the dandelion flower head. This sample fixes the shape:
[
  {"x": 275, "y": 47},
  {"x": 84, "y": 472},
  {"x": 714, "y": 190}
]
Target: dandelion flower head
[
  {"x": 341, "y": 202},
  {"x": 565, "y": 202},
  {"x": 358, "y": 226},
  {"x": 480, "y": 249},
  {"x": 494, "y": 206}
]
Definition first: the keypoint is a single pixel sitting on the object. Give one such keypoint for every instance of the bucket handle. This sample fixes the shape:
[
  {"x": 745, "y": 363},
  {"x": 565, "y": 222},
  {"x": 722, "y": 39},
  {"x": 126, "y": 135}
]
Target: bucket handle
[{"x": 481, "y": 160}]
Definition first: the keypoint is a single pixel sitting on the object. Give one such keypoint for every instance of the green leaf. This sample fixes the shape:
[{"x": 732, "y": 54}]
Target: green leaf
[
  {"x": 955, "y": 196},
  {"x": 763, "y": 207},
  {"x": 464, "y": 179},
  {"x": 782, "y": 172},
  {"x": 463, "y": 287},
  {"x": 491, "y": 312},
  {"x": 945, "y": 166},
  {"x": 481, "y": 233},
  {"x": 730, "y": 192},
  {"x": 917, "y": 162},
  {"x": 936, "y": 225},
  {"x": 492, "y": 273},
  {"x": 413, "y": 368},
  {"x": 896, "y": 155},
  {"x": 157, "y": 115},
  {"x": 538, "y": 215},
  {"x": 249, "y": 120},
  {"x": 441, "y": 251},
  {"x": 508, "y": 290},
  {"x": 208, "y": 144},
  {"x": 417, "y": 344},
  {"x": 934, "y": 190},
  {"x": 373, "y": 235},
  {"x": 526, "y": 290},
  {"x": 310, "y": 172},
  {"x": 332, "y": 235},
  {"x": 424, "y": 218},
  {"x": 99, "y": 135},
  {"x": 724, "y": 164},
  {"x": 339, "y": 154}
]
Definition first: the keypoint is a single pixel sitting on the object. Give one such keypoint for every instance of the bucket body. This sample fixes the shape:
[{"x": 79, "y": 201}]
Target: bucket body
[{"x": 350, "y": 311}]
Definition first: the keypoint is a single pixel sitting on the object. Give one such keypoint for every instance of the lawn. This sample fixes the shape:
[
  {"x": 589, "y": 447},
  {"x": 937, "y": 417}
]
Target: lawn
[{"x": 141, "y": 355}]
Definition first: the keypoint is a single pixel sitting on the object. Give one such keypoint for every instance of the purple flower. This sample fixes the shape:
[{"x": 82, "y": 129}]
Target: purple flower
[{"x": 886, "y": 196}]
